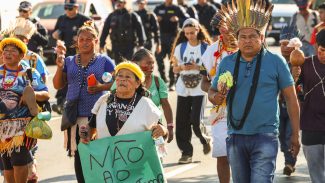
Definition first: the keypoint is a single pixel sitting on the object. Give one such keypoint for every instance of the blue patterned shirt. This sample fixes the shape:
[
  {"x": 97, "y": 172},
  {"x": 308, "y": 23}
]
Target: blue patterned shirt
[{"x": 100, "y": 65}]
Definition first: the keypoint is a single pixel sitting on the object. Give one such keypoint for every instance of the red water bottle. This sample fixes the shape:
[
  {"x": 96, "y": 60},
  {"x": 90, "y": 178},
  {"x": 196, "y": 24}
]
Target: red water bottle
[{"x": 91, "y": 80}]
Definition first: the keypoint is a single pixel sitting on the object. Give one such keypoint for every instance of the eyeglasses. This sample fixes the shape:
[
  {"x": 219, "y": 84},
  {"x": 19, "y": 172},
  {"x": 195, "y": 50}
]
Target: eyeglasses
[
  {"x": 23, "y": 11},
  {"x": 68, "y": 8},
  {"x": 249, "y": 66}
]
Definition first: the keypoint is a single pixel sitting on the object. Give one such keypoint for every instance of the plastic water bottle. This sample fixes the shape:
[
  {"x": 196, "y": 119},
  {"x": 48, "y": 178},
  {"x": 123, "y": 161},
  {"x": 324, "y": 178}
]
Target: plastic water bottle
[
  {"x": 46, "y": 116},
  {"x": 160, "y": 146},
  {"x": 107, "y": 77}
]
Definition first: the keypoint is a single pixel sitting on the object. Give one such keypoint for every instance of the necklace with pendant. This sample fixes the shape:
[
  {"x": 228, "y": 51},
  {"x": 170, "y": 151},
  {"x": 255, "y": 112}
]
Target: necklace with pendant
[{"x": 122, "y": 116}]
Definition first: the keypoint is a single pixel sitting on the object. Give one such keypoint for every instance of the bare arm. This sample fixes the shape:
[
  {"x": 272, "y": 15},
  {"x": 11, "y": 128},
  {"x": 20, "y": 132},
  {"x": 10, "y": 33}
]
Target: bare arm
[
  {"x": 42, "y": 96},
  {"x": 290, "y": 97},
  {"x": 169, "y": 117},
  {"x": 60, "y": 78},
  {"x": 206, "y": 84}
]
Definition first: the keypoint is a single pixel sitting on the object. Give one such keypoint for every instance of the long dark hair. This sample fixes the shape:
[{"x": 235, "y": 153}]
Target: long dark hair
[{"x": 202, "y": 36}]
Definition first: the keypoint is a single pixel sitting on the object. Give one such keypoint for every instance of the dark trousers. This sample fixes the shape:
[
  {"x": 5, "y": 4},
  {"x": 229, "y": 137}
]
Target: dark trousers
[
  {"x": 166, "y": 45},
  {"x": 78, "y": 168},
  {"x": 121, "y": 52},
  {"x": 285, "y": 132},
  {"x": 188, "y": 114}
]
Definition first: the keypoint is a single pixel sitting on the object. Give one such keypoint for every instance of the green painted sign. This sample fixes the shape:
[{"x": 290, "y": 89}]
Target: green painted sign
[{"x": 128, "y": 158}]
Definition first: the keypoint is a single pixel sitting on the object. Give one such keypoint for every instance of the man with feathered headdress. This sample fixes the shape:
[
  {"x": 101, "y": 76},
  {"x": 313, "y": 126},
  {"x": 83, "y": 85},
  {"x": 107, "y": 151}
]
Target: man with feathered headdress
[
  {"x": 258, "y": 77},
  {"x": 224, "y": 46}
]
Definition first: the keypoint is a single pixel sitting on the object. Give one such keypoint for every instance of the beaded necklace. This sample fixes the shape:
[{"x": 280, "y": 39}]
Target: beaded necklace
[
  {"x": 122, "y": 117},
  {"x": 9, "y": 85},
  {"x": 84, "y": 69}
]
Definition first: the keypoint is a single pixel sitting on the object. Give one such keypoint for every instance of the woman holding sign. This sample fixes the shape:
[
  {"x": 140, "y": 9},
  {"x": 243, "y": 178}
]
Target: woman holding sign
[
  {"x": 127, "y": 109},
  {"x": 81, "y": 96}
]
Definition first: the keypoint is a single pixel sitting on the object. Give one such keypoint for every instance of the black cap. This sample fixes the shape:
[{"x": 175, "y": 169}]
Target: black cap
[
  {"x": 70, "y": 3},
  {"x": 25, "y": 5},
  {"x": 121, "y": 1}
]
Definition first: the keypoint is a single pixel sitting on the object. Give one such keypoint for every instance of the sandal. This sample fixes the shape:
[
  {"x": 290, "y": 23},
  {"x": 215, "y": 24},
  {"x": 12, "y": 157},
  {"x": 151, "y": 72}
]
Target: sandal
[{"x": 288, "y": 170}]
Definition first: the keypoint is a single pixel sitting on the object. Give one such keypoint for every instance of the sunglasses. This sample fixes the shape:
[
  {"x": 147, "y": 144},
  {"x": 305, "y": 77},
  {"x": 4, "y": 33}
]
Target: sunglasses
[
  {"x": 23, "y": 11},
  {"x": 68, "y": 8}
]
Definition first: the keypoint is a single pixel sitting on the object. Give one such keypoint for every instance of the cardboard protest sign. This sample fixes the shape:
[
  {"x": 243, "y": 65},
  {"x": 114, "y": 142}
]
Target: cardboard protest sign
[{"x": 124, "y": 158}]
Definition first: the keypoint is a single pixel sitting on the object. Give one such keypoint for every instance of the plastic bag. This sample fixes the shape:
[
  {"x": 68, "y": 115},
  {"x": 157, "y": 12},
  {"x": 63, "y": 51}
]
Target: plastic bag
[{"x": 37, "y": 128}]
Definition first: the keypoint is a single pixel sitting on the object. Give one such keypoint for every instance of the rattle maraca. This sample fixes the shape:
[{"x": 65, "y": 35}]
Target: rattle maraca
[{"x": 297, "y": 57}]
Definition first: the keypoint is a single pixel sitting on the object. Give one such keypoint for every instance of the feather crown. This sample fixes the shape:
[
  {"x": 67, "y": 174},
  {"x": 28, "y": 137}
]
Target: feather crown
[{"x": 240, "y": 14}]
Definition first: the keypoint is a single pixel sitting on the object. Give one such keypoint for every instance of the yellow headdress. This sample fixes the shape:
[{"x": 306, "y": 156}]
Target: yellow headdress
[
  {"x": 132, "y": 67},
  {"x": 13, "y": 41},
  {"x": 246, "y": 14}
]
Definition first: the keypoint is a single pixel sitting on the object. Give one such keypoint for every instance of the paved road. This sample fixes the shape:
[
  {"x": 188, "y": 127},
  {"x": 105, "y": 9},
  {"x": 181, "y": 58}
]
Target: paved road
[{"x": 55, "y": 166}]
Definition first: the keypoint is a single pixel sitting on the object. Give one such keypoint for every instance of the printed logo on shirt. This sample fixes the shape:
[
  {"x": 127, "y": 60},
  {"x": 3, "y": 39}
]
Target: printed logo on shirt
[
  {"x": 10, "y": 82},
  {"x": 170, "y": 11},
  {"x": 161, "y": 12}
]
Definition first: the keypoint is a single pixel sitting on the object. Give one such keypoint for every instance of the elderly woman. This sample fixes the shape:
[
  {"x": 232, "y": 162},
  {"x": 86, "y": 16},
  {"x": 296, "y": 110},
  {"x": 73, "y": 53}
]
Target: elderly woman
[
  {"x": 18, "y": 85},
  {"x": 74, "y": 71},
  {"x": 111, "y": 117}
]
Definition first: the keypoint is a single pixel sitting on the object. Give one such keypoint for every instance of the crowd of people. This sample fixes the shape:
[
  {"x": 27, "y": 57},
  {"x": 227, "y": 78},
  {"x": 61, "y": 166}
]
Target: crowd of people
[{"x": 262, "y": 100}]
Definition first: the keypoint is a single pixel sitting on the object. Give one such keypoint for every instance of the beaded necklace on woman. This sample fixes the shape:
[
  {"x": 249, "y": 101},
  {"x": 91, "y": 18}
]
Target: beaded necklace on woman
[{"x": 84, "y": 69}]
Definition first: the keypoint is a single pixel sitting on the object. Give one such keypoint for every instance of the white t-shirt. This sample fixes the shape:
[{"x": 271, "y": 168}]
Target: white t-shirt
[
  {"x": 208, "y": 57},
  {"x": 191, "y": 53},
  {"x": 144, "y": 116}
]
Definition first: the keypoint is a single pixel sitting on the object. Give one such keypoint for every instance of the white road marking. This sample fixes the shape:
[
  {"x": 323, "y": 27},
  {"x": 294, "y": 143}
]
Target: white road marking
[{"x": 180, "y": 170}]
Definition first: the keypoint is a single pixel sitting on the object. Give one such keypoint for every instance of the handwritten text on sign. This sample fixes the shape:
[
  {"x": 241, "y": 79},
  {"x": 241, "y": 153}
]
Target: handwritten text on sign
[{"x": 125, "y": 158}]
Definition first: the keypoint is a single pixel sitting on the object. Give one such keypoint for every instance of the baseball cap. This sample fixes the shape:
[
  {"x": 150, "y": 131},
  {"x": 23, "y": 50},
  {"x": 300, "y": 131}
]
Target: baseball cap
[
  {"x": 70, "y": 3},
  {"x": 25, "y": 5}
]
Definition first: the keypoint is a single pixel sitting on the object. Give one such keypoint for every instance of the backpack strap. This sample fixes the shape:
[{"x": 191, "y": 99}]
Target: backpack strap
[
  {"x": 204, "y": 46},
  {"x": 183, "y": 47},
  {"x": 157, "y": 82}
]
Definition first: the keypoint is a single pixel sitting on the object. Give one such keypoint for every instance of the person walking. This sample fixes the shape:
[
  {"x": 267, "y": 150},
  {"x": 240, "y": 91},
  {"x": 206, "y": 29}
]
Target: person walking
[
  {"x": 258, "y": 76},
  {"x": 190, "y": 10},
  {"x": 305, "y": 20},
  {"x": 321, "y": 25},
  {"x": 206, "y": 11},
  {"x": 73, "y": 72},
  {"x": 312, "y": 115},
  {"x": 224, "y": 46},
  {"x": 40, "y": 38},
  {"x": 188, "y": 47},
  {"x": 125, "y": 30},
  {"x": 150, "y": 25},
  {"x": 65, "y": 30},
  {"x": 287, "y": 33},
  {"x": 19, "y": 93},
  {"x": 170, "y": 18},
  {"x": 156, "y": 86}
]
